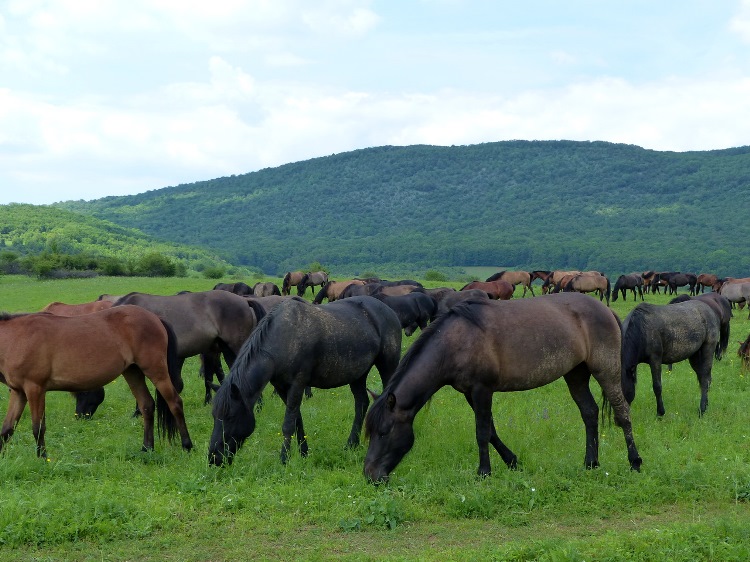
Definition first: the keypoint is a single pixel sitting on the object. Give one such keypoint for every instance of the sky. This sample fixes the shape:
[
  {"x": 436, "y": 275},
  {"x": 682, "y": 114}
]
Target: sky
[{"x": 106, "y": 97}]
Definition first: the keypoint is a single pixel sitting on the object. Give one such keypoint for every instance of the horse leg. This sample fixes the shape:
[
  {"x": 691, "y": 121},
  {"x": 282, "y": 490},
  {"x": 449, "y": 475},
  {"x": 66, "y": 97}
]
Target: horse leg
[
  {"x": 481, "y": 400},
  {"x": 361, "y": 403},
  {"x": 612, "y": 390},
  {"x": 137, "y": 382},
  {"x": 509, "y": 458},
  {"x": 578, "y": 385},
  {"x": 656, "y": 382},
  {"x": 169, "y": 394},
  {"x": 35, "y": 395},
  {"x": 16, "y": 404},
  {"x": 701, "y": 362},
  {"x": 292, "y": 423}
]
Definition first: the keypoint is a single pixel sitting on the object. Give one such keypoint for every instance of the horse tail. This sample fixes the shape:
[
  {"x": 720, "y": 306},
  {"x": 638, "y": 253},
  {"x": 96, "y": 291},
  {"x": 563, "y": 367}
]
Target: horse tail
[
  {"x": 257, "y": 309},
  {"x": 285, "y": 288},
  {"x": 165, "y": 420},
  {"x": 632, "y": 344},
  {"x": 609, "y": 290},
  {"x": 721, "y": 347}
]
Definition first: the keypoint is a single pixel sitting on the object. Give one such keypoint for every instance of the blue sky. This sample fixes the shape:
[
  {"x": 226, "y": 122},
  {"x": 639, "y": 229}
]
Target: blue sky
[{"x": 104, "y": 97}]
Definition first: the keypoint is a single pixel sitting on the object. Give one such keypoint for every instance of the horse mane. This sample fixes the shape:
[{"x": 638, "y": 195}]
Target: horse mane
[
  {"x": 495, "y": 276},
  {"x": 323, "y": 293},
  {"x": 121, "y": 300},
  {"x": 11, "y": 315}
]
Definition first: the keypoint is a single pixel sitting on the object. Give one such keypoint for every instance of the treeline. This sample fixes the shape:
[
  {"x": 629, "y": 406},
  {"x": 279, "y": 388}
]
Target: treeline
[{"x": 551, "y": 204}]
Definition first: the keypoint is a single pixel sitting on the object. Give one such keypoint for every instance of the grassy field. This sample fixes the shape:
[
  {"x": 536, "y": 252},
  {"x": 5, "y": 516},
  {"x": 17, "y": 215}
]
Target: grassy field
[{"x": 100, "y": 498}]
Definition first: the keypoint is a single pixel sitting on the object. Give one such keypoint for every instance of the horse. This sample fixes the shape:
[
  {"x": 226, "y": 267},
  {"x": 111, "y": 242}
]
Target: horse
[
  {"x": 497, "y": 290},
  {"x": 723, "y": 310},
  {"x": 665, "y": 334},
  {"x": 682, "y": 280},
  {"x": 397, "y": 290},
  {"x": 555, "y": 278},
  {"x": 291, "y": 279},
  {"x": 355, "y": 290},
  {"x": 633, "y": 282},
  {"x": 744, "y": 352},
  {"x": 661, "y": 279},
  {"x": 297, "y": 345},
  {"x": 238, "y": 288},
  {"x": 647, "y": 277},
  {"x": 438, "y": 293},
  {"x": 86, "y": 403},
  {"x": 589, "y": 284},
  {"x": 705, "y": 280},
  {"x": 736, "y": 293},
  {"x": 204, "y": 322},
  {"x": 312, "y": 279},
  {"x": 266, "y": 289},
  {"x": 728, "y": 280},
  {"x": 483, "y": 347},
  {"x": 42, "y": 352},
  {"x": 514, "y": 278},
  {"x": 332, "y": 290},
  {"x": 452, "y": 299},
  {"x": 414, "y": 310}
]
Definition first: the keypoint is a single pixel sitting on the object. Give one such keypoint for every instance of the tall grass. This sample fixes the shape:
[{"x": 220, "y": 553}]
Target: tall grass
[{"x": 100, "y": 497}]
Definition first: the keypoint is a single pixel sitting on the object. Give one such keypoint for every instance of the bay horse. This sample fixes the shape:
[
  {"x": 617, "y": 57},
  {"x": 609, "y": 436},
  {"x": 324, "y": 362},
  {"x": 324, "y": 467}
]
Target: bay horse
[
  {"x": 483, "y": 347},
  {"x": 497, "y": 290},
  {"x": 514, "y": 278},
  {"x": 43, "y": 352},
  {"x": 291, "y": 279},
  {"x": 297, "y": 345},
  {"x": 312, "y": 279},
  {"x": 582, "y": 283},
  {"x": 332, "y": 290},
  {"x": 266, "y": 289},
  {"x": 632, "y": 282},
  {"x": 666, "y": 334},
  {"x": 238, "y": 288},
  {"x": 705, "y": 280}
]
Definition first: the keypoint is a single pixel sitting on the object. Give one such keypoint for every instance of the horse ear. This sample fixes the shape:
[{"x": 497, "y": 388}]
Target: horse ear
[
  {"x": 391, "y": 401},
  {"x": 373, "y": 395}
]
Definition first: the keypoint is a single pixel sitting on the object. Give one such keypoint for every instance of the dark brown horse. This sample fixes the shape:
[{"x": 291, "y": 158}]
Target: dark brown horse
[
  {"x": 514, "y": 278},
  {"x": 238, "y": 288},
  {"x": 624, "y": 283},
  {"x": 497, "y": 290},
  {"x": 291, "y": 279},
  {"x": 266, "y": 289},
  {"x": 484, "y": 347},
  {"x": 43, "y": 352},
  {"x": 312, "y": 279}
]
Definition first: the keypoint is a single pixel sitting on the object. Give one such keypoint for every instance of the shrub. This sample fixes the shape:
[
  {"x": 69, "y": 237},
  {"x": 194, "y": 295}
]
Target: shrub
[{"x": 433, "y": 275}]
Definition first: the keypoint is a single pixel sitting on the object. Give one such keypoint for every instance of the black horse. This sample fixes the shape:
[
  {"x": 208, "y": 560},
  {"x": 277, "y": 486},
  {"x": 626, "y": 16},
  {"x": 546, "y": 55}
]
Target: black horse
[
  {"x": 666, "y": 334},
  {"x": 633, "y": 282},
  {"x": 414, "y": 310},
  {"x": 483, "y": 347},
  {"x": 297, "y": 345}
]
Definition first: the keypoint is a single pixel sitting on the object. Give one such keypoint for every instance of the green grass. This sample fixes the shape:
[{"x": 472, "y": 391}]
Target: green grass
[{"x": 100, "y": 498}]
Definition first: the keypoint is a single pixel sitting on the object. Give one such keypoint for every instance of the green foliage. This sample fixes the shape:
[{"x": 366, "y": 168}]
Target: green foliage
[
  {"x": 156, "y": 265},
  {"x": 432, "y": 275},
  {"x": 541, "y": 204},
  {"x": 214, "y": 272}
]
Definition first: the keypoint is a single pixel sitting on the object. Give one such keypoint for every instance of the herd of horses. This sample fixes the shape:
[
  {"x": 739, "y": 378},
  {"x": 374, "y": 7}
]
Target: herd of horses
[{"x": 477, "y": 340}]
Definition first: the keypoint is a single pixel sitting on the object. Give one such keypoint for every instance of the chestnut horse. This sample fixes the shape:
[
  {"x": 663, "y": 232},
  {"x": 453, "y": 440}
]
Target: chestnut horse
[
  {"x": 514, "y": 278},
  {"x": 497, "y": 290},
  {"x": 42, "y": 352}
]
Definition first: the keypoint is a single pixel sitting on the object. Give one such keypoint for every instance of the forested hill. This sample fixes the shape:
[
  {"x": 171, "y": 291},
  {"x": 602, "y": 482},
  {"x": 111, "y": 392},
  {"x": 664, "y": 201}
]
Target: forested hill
[{"x": 531, "y": 204}]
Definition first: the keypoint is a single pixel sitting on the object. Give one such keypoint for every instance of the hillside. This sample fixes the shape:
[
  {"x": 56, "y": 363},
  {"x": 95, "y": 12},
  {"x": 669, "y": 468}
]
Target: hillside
[{"x": 544, "y": 204}]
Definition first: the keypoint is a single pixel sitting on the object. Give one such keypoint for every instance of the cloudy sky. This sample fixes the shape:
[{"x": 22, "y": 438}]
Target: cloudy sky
[{"x": 107, "y": 97}]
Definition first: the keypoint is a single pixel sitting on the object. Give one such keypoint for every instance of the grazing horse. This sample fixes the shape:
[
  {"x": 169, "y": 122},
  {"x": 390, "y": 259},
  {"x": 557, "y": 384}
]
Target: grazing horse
[
  {"x": 291, "y": 279},
  {"x": 665, "y": 334},
  {"x": 661, "y": 279},
  {"x": 682, "y": 280},
  {"x": 414, "y": 310},
  {"x": 705, "y": 280},
  {"x": 589, "y": 284},
  {"x": 332, "y": 290},
  {"x": 514, "y": 278},
  {"x": 42, "y": 352},
  {"x": 238, "y": 288},
  {"x": 299, "y": 345},
  {"x": 204, "y": 322},
  {"x": 266, "y": 289},
  {"x": 312, "y": 279},
  {"x": 355, "y": 290},
  {"x": 484, "y": 347},
  {"x": 497, "y": 290},
  {"x": 633, "y": 282},
  {"x": 723, "y": 310},
  {"x": 744, "y": 352}
]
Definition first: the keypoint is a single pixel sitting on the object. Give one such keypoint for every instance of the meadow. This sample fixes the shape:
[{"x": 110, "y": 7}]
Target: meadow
[{"x": 99, "y": 497}]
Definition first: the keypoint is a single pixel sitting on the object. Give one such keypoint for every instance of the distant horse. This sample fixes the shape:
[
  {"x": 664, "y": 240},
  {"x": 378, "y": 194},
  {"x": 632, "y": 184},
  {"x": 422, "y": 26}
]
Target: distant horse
[
  {"x": 661, "y": 279},
  {"x": 397, "y": 290},
  {"x": 332, "y": 290},
  {"x": 723, "y": 310},
  {"x": 666, "y": 334},
  {"x": 238, "y": 288},
  {"x": 312, "y": 279},
  {"x": 705, "y": 280},
  {"x": 42, "y": 352},
  {"x": 514, "y": 278},
  {"x": 736, "y": 293},
  {"x": 266, "y": 289},
  {"x": 728, "y": 280},
  {"x": 386, "y": 283},
  {"x": 414, "y": 310},
  {"x": 299, "y": 345},
  {"x": 682, "y": 280},
  {"x": 440, "y": 292},
  {"x": 497, "y": 290},
  {"x": 355, "y": 290},
  {"x": 555, "y": 279},
  {"x": 291, "y": 279},
  {"x": 450, "y": 300},
  {"x": 589, "y": 284},
  {"x": 647, "y": 276},
  {"x": 633, "y": 282},
  {"x": 86, "y": 403},
  {"x": 204, "y": 322},
  {"x": 744, "y": 352},
  {"x": 484, "y": 347}
]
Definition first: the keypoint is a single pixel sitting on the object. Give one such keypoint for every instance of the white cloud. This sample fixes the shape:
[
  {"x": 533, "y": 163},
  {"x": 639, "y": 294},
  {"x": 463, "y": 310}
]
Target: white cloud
[{"x": 740, "y": 22}]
